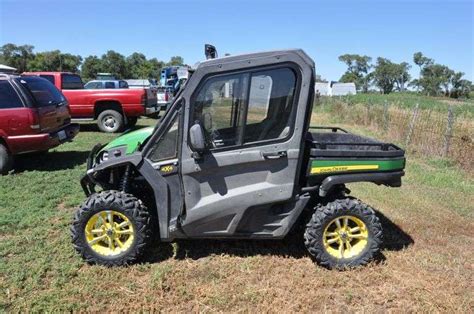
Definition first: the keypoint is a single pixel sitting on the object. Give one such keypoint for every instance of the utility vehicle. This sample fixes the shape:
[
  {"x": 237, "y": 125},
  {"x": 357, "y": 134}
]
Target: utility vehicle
[{"x": 235, "y": 157}]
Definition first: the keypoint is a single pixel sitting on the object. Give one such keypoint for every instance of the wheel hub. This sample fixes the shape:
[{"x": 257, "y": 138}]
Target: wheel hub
[
  {"x": 109, "y": 233},
  {"x": 345, "y": 237}
]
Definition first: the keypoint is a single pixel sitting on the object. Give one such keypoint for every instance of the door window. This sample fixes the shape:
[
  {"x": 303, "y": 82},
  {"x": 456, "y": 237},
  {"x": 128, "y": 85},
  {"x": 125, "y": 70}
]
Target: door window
[
  {"x": 109, "y": 85},
  {"x": 270, "y": 105},
  {"x": 8, "y": 97},
  {"x": 218, "y": 107}
]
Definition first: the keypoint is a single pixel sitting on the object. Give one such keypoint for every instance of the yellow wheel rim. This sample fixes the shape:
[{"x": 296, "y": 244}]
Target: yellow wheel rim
[
  {"x": 345, "y": 237},
  {"x": 109, "y": 233}
]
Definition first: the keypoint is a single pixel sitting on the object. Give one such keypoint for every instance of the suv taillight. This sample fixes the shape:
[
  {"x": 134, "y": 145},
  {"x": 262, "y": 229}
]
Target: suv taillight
[
  {"x": 34, "y": 120},
  {"x": 167, "y": 96},
  {"x": 144, "y": 98}
]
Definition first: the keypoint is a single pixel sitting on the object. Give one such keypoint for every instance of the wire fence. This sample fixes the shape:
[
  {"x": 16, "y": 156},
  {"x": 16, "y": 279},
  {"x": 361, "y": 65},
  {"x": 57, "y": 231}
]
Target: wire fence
[{"x": 421, "y": 131}]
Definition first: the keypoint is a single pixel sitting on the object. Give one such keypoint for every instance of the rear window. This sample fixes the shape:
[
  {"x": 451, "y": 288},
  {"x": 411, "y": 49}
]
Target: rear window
[
  {"x": 71, "y": 81},
  {"x": 8, "y": 97},
  {"x": 42, "y": 91}
]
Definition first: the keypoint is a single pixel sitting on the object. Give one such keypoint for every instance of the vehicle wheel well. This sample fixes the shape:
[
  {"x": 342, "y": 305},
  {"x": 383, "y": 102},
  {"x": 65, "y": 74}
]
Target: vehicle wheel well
[
  {"x": 107, "y": 105},
  {"x": 4, "y": 143}
]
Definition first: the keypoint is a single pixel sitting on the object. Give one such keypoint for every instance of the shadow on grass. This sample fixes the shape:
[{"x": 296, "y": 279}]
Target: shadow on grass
[
  {"x": 50, "y": 161},
  {"x": 395, "y": 239},
  {"x": 92, "y": 127}
]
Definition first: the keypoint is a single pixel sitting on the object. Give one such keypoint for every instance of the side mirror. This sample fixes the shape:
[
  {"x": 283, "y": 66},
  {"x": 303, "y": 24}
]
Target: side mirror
[{"x": 196, "y": 139}]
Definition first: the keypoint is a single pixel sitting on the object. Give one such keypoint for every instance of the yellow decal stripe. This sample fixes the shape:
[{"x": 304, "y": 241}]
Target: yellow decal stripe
[{"x": 343, "y": 168}]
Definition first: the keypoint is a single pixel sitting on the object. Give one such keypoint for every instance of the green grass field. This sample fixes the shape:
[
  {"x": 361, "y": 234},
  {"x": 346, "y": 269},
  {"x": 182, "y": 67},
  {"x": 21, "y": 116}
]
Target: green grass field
[
  {"x": 427, "y": 262},
  {"x": 462, "y": 107}
]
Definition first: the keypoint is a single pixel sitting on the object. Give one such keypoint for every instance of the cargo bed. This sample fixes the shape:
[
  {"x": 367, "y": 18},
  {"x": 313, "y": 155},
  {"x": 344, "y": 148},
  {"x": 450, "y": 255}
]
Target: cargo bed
[{"x": 335, "y": 152}]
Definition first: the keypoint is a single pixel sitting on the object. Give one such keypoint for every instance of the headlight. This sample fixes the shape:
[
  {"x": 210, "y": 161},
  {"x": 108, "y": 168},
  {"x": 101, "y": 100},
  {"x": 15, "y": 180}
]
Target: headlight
[{"x": 103, "y": 156}]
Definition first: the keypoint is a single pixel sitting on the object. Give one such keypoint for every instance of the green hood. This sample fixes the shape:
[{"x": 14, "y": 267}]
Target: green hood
[{"x": 131, "y": 139}]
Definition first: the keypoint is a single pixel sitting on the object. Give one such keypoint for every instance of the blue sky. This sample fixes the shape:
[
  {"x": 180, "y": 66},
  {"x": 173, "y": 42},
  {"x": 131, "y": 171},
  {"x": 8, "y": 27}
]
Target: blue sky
[{"x": 442, "y": 30}]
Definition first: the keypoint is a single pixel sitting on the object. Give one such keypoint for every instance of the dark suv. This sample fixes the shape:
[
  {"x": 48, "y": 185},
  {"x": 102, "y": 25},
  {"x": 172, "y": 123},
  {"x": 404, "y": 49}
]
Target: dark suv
[{"x": 34, "y": 116}]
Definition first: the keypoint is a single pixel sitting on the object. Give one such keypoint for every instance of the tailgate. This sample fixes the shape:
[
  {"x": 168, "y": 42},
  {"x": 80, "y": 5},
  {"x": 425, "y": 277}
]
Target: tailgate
[
  {"x": 52, "y": 118},
  {"x": 150, "y": 97}
]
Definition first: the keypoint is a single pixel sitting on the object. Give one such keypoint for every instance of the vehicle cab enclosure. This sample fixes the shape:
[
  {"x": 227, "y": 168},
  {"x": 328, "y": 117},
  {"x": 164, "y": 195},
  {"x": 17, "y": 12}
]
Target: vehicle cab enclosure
[{"x": 233, "y": 156}]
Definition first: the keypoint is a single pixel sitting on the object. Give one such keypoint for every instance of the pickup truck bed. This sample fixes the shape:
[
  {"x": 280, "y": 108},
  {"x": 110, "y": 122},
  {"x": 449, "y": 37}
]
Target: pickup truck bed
[{"x": 334, "y": 152}]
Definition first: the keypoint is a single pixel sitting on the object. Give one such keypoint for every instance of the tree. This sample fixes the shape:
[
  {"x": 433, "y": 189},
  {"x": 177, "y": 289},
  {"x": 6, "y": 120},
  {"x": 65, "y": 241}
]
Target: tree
[
  {"x": 113, "y": 62},
  {"x": 385, "y": 75},
  {"x": 176, "y": 60},
  {"x": 320, "y": 79},
  {"x": 402, "y": 76},
  {"x": 357, "y": 70},
  {"x": 16, "y": 56},
  {"x": 90, "y": 67},
  {"x": 55, "y": 61}
]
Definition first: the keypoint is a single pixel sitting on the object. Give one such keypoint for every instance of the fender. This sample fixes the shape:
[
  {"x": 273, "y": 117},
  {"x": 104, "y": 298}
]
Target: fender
[{"x": 392, "y": 179}]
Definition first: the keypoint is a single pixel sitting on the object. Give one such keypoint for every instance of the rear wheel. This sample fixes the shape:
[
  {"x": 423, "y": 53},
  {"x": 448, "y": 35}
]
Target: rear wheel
[
  {"x": 111, "y": 228},
  {"x": 6, "y": 160},
  {"x": 343, "y": 233},
  {"x": 110, "y": 121}
]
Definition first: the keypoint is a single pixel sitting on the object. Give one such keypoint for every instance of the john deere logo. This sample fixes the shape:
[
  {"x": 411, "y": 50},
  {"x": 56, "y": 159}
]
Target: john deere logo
[{"x": 167, "y": 168}]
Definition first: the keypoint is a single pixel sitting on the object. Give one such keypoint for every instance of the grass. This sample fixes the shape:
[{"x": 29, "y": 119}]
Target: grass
[
  {"x": 462, "y": 107},
  {"x": 426, "y": 264}
]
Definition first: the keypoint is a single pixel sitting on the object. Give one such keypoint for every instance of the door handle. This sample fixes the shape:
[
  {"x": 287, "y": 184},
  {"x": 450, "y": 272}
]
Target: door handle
[{"x": 274, "y": 155}]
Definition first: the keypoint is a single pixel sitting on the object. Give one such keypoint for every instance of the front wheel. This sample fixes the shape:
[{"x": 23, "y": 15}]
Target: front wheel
[
  {"x": 343, "y": 233},
  {"x": 110, "y": 121},
  {"x": 111, "y": 228}
]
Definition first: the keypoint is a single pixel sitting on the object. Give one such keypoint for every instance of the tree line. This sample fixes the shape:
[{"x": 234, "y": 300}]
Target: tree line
[
  {"x": 134, "y": 66},
  {"x": 434, "y": 79}
]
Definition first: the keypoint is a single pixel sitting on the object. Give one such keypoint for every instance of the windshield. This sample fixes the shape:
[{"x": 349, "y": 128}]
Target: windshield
[{"x": 42, "y": 91}]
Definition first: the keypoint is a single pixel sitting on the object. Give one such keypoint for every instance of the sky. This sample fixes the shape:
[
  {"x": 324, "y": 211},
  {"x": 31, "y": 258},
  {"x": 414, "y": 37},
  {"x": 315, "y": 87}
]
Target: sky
[{"x": 442, "y": 30}]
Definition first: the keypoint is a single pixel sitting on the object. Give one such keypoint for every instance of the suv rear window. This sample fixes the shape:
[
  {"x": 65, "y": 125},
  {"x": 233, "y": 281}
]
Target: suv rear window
[
  {"x": 42, "y": 91},
  {"x": 71, "y": 81}
]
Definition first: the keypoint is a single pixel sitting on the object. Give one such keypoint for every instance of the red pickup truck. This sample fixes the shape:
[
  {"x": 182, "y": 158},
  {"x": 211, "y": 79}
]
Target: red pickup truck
[
  {"x": 34, "y": 116},
  {"x": 112, "y": 108}
]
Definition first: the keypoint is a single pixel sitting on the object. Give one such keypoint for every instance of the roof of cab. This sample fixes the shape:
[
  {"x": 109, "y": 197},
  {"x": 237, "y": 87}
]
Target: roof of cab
[{"x": 265, "y": 54}]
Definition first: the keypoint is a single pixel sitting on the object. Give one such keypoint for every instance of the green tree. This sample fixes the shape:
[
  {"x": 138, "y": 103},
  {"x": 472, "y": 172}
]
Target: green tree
[
  {"x": 357, "y": 70},
  {"x": 90, "y": 67},
  {"x": 385, "y": 75},
  {"x": 16, "y": 56},
  {"x": 113, "y": 62},
  {"x": 176, "y": 60},
  {"x": 55, "y": 61}
]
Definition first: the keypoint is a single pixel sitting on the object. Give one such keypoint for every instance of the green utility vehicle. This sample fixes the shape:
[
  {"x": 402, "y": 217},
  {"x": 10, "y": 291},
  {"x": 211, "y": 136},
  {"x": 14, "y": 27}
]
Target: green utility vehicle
[{"x": 235, "y": 157}]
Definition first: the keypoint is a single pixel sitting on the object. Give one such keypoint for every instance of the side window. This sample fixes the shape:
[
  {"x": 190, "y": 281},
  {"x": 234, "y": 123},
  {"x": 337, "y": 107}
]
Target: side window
[
  {"x": 109, "y": 85},
  {"x": 270, "y": 104},
  {"x": 71, "y": 81},
  {"x": 8, "y": 97},
  {"x": 217, "y": 107},
  {"x": 167, "y": 146},
  {"x": 123, "y": 84}
]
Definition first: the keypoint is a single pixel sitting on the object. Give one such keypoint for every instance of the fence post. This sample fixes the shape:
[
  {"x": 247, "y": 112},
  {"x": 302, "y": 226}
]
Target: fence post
[
  {"x": 385, "y": 116},
  {"x": 412, "y": 125},
  {"x": 367, "y": 113},
  {"x": 449, "y": 131}
]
